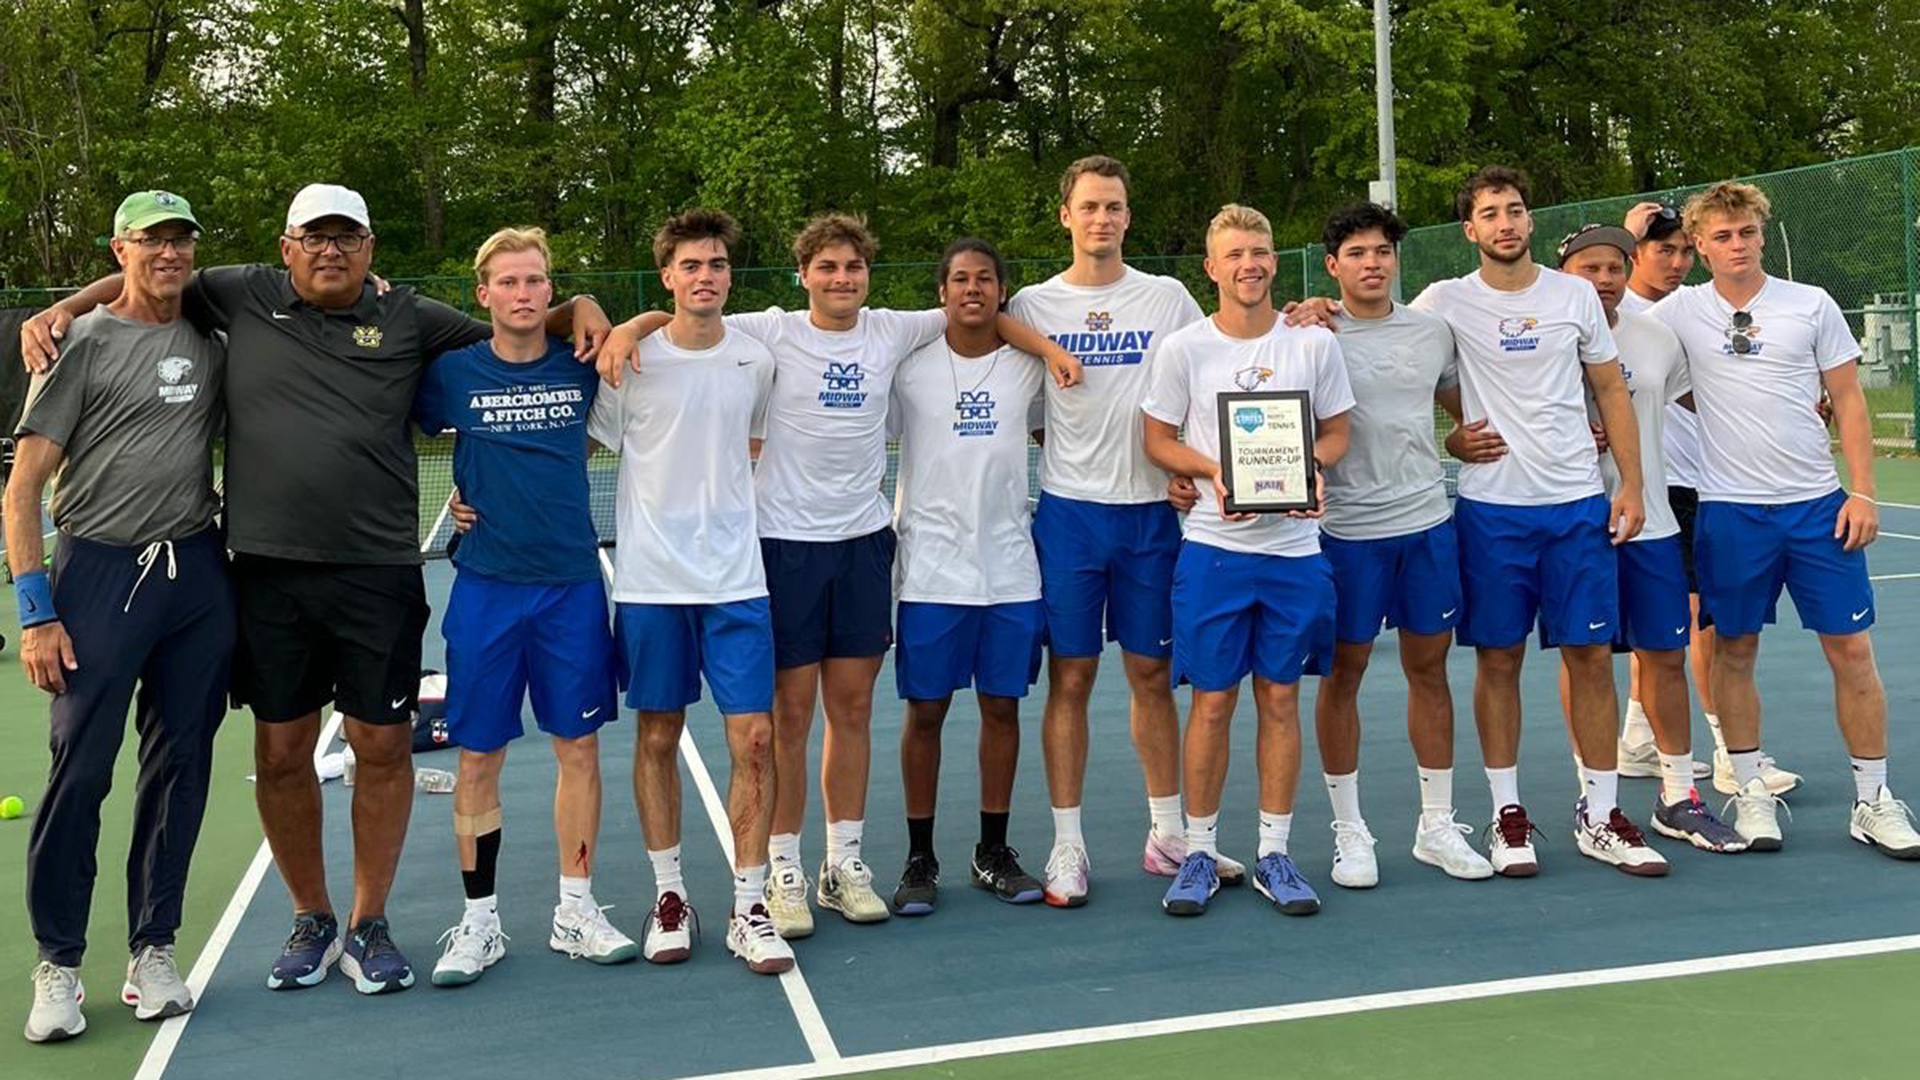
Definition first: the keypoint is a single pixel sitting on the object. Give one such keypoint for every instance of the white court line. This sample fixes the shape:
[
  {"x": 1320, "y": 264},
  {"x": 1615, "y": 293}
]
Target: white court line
[
  {"x": 806, "y": 1012},
  {"x": 1893, "y": 577},
  {"x": 159, "y": 1052},
  {"x": 1897, "y": 506},
  {"x": 929, "y": 1055},
  {"x": 1899, "y": 536}
]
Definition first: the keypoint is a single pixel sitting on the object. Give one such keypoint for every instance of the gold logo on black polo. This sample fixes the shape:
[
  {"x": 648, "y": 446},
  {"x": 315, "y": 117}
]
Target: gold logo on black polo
[{"x": 367, "y": 337}]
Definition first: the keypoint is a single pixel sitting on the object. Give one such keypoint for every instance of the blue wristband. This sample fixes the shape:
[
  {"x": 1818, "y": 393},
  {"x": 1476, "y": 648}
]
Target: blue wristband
[{"x": 35, "y": 595}]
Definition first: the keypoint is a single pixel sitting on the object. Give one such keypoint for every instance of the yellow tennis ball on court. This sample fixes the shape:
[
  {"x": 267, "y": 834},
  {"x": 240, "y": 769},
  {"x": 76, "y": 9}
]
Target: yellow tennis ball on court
[{"x": 11, "y": 807}]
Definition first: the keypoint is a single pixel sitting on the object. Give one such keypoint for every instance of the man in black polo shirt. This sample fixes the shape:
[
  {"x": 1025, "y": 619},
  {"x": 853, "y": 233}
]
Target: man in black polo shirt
[{"x": 322, "y": 518}]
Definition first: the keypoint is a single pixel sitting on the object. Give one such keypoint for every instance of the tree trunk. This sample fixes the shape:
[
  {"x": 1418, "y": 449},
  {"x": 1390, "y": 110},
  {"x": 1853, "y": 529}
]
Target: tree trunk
[
  {"x": 419, "y": 49},
  {"x": 541, "y": 21}
]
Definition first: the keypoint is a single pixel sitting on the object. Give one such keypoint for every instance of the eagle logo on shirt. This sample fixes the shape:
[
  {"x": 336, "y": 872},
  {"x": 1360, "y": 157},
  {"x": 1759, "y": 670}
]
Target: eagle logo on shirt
[
  {"x": 1252, "y": 377},
  {"x": 1516, "y": 327},
  {"x": 367, "y": 337},
  {"x": 1099, "y": 322},
  {"x": 175, "y": 368},
  {"x": 174, "y": 387},
  {"x": 1517, "y": 334}
]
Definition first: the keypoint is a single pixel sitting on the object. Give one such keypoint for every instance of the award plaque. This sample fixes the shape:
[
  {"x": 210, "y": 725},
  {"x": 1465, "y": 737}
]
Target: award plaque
[{"x": 1266, "y": 451}]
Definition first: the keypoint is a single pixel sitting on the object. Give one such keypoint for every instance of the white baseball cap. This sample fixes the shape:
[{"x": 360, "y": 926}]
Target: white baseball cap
[{"x": 316, "y": 201}]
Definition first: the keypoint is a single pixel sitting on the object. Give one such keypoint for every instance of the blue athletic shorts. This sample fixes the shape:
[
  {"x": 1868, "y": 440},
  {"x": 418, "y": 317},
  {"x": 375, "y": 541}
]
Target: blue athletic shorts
[
  {"x": 1554, "y": 563},
  {"x": 830, "y": 598},
  {"x": 507, "y": 641},
  {"x": 669, "y": 646},
  {"x": 1745, "y": 552},
  {"x": 1409, "y": 582},
  {"x": 994, "y": 648},
  {"x": 1654, "y": 616},
  {"x": 1106, "y": 566},
  {"x": 1235, "y": 613}
]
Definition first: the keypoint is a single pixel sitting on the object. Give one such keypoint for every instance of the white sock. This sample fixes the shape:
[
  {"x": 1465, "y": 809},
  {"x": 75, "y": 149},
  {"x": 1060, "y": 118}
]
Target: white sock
[
  {"x": 1436, "y": 792},
  {"x": 1869, "y": 776},
  {"x": 1505, "y": 784},
  {"x": 666, "y": 871},
  {"x": 1203, "y": 833},
  {"x": 487, "y": 906},
  {"x": 1603, "y": 793},
  {"x": 1165, "y": 811},
  {"x": 1344, "y": 792},
  {"x": 577, "y": 891},
  {"x": 1066, "y": 827},
  {"x": 1713, "y": 726},
  {"x": 1274, "y": 831},
  {"x": 749, "y": 888},
  {"x": 1746, "y": 765},
  {"x": 1636, "y": 730},
  {"x": 784, "y": 848},
  {"x": 843, "y": 840},
  {"x": 1676, "y": 778}
]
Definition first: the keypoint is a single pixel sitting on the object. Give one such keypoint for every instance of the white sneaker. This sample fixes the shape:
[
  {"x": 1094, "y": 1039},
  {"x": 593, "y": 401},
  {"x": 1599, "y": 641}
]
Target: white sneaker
[
  {"x": 669, "y": 934},
  {"x": 848, "y": 889},
  {"x": 57, "y": 995},
  {"x": 1164, "y": 855},
  {"x": 583, "y": 932},
  {"x": 1619, "y": 843},
  {"x": 1753, "y": 815},
  {"x": 1510, "y": 843},
  {"x": 786, "y": 897},
  {"x": 1067, "y": 869},
  {"x": 469, "y": 947},
  {"x": 1887, "y": 824},
  {"x": 1778, "y": 780},
  {"x": 154, "y": 987},
  {"x": 1441, "y": 841},
  {"x": 752, "y": 938},
  {"x": 1354, "y": 866},
  {"x": 1641, "y": 761}
]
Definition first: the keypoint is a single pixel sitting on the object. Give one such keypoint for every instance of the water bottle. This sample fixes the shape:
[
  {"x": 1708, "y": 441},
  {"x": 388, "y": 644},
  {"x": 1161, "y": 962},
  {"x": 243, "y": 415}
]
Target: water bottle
[{"x": 434, "y": 781}]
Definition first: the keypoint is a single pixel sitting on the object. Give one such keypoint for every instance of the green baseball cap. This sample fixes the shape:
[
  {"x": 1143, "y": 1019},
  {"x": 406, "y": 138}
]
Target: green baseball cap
[{"x": 144, "y": 209}]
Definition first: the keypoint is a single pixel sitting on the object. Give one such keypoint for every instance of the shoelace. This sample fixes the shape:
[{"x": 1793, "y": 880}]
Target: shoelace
[
  {"x": 376, "y": 941},
  {"x": 1623, "y": 829},
  {"x": 759, "y": 924},
  {"x": 1515, "y": 829},
  {"x": 670, "y": 911},
  {"x": 308, "y": 931},
  {"x": 1890, "y": 809},
  {"x": 156, "y": 962},
  {"x": 1066, "y": 859},
  {"x": 855, "y": 872},
  {"x": 1449, "y": 826},
  {"x": 146, "y": 563},
  {"x": 52, "y": 982},
  {"x": 462, "y": 932},
  {"x": 921, "y": 870},
  {"x": 1002, "y": 861},
  {"x": 1347, "y": 834},
  {"x": 1195, "y": 872},
  {"x": 1775, "y": 799}
]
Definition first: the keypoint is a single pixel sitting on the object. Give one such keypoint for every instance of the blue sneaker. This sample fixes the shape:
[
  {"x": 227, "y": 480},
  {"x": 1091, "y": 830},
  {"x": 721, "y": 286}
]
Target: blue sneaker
[
  {"x": 1277, "y": 879},
  {"x": 310, "y": 950},
  {"x": 1196, "y": 883},
  {"x": 374, "y": 962}
]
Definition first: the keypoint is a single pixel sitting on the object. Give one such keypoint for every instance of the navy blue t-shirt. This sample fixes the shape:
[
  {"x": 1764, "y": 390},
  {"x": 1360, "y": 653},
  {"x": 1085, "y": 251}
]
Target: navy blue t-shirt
[{"x": 520, "y": 459}]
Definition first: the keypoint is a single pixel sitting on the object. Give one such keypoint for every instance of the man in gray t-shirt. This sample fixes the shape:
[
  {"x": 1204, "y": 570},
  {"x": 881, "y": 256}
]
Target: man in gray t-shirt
[{"x": 137, "y": 596}]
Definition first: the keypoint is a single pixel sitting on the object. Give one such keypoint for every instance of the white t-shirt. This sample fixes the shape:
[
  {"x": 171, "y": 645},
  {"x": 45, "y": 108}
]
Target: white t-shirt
[
  {"x": 1656, "y": 372},
  {"x": 1093, "y": 450},
  {"x": 1683, "y": 427},
  {"x": 826, "y": 428},
  {"x": 1198, "y": 363},
  {"x": 1761, "y": 440},
  {"x": 685, "y": 503},
  {"x": 960, "y": 506},
  {"x": 1520, "y": 357},
  {"x": 1391, "y": 482}
]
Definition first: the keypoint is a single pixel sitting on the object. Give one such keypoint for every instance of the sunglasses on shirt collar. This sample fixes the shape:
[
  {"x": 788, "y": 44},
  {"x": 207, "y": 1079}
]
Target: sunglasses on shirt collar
[{"x": 1738, "y": 337}]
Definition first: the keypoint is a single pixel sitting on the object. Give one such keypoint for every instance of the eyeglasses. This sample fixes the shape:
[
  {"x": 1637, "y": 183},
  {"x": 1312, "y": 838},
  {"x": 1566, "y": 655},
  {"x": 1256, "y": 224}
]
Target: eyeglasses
[
  {"x": 347, "y": 243},
  {"x": 1741, "y": 341},
  {"x": 151, "y": 244}
]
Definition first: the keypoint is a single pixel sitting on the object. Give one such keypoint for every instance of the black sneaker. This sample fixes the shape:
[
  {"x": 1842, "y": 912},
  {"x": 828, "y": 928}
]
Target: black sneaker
[
  {"x": 998, "y": 868},
  {"x": 919, "y": 885}
]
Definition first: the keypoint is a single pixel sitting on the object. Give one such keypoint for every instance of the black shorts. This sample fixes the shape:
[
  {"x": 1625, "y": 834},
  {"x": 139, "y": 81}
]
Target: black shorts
[
  {"x": 831, "y": 598},
  {"x": 1686, "y": 506},
  {"x": 313, "y": 633}
]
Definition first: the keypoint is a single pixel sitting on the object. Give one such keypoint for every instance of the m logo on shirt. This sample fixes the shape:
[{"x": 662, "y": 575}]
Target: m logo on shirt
[
  {"x": 974, "y": 410},
  {"x": 1099, "y": 321},
  {"x": 173, "y": 372},
  {"x": 841, "y": 386},
  {"x": 1516, "y": 335},
  {"x": 367, "y": 337},
  {"x": 1252, "y": 378}
]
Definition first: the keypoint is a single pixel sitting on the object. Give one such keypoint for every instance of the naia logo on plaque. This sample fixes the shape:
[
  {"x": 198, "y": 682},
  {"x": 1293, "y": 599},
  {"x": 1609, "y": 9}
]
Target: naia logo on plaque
[{"x": 1266, "y": 451}]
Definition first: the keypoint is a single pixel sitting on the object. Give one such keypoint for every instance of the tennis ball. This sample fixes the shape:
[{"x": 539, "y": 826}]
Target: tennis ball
[{"x": 12, "y": 807}]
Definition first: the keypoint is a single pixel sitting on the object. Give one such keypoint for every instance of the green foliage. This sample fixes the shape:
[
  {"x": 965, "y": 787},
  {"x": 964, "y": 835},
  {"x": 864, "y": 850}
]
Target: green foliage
[{"x": 934, "y": 118}]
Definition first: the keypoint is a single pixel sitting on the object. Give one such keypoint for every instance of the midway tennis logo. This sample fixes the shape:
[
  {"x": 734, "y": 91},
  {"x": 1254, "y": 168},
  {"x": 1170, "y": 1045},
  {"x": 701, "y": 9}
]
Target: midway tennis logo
[
  {"x": 1516, "y": 335},
  {"x": 840, "y": 385},
  {"x": 1106, "y": 347},
  {"x": 975, "y": 414}
]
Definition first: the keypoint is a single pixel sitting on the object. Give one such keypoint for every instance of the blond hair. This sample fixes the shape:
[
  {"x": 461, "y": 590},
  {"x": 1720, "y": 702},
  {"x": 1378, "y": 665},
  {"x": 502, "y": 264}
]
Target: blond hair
[
  {"x": 1727, "y": 198},
  {"x": 1243, "y": 218},
  {"x": 1094, "y": 165},
  {"x": 507, "y": 241},
  {"x": 826, "y": 230}
]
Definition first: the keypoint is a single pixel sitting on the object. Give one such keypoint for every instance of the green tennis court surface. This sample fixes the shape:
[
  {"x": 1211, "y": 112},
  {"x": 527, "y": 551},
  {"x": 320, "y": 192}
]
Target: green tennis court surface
[{"x": 1422, "y": 976}]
